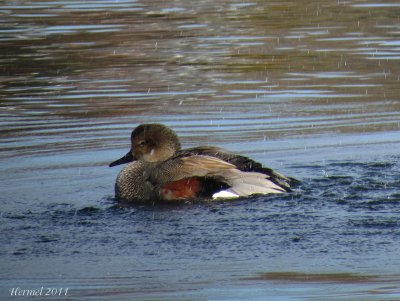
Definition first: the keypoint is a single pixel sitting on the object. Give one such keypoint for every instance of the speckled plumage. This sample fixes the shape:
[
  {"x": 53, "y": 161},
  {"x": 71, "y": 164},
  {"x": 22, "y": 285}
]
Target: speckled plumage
[{"x": 132, "y": 183}]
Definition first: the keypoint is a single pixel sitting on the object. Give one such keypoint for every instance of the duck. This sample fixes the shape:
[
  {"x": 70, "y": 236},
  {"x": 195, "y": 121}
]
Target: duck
[{"x": 158, "y": 169}]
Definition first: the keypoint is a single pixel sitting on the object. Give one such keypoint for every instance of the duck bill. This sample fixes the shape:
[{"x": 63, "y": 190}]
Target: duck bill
[{"x": 125, "y": 159}]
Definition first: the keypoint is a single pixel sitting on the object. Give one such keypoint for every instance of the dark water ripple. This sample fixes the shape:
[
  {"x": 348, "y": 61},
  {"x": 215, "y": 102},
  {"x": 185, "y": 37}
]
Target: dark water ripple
[
  {"x": 341, "y": 217},
  {"x": 340, "y": 208}
]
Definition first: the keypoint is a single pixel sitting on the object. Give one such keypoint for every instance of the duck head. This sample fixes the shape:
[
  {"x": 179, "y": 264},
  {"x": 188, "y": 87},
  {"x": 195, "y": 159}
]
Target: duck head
[{"x": 151, "y": 142}]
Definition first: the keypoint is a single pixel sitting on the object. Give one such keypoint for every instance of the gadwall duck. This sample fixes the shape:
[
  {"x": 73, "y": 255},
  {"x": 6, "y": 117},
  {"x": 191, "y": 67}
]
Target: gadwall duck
[{"x": 159, "y": 170}]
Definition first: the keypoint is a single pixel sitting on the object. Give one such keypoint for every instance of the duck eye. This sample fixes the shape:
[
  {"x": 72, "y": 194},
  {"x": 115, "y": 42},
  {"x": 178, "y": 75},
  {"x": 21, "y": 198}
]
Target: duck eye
[{"x": 142, "y": 143}]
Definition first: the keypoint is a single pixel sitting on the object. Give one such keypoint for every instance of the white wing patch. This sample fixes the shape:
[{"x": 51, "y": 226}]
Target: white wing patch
[
  {"x": 225, "y": 194},
  {"x": 248, "y": 183}
]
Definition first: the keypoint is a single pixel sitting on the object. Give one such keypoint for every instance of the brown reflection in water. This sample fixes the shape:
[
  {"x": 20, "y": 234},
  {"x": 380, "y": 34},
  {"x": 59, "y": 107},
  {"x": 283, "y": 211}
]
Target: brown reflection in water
[
  {"x": 315, "y": 277},
  {"x": 288, "y": 68}
]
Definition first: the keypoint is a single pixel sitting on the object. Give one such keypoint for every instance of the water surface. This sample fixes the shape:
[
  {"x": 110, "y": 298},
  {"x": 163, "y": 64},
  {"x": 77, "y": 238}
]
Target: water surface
[{"x": 309, "y": 88}]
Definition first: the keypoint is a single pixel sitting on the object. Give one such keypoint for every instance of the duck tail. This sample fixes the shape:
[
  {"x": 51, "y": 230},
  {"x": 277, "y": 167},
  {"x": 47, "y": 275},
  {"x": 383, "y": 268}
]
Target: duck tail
[{"x": 248, "y": 183}]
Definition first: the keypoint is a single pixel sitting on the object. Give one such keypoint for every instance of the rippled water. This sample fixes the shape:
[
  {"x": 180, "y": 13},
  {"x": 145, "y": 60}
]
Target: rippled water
[{"x": 309, "y": 88}]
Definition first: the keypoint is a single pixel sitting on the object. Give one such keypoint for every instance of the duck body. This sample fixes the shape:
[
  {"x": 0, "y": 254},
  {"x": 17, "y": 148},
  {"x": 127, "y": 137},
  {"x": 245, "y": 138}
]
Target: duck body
[{"x": 159, "y": 170}]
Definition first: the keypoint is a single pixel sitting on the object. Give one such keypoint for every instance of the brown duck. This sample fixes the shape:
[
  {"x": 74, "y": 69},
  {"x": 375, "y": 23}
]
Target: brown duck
[{"x": 160, "y": 170}]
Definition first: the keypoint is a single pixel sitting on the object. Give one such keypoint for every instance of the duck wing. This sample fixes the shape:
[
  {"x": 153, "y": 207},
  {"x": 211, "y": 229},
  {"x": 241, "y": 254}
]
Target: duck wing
[
  {"x": 242, "y": 163},
  {"x": 178, "y": 168},
  {"x": 240, "y": 183}
]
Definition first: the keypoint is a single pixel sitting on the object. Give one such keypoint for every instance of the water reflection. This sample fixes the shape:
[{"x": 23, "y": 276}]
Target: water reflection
[
  {"x": 251, "y": 72},
  {"x": 168, "y": 53}
]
